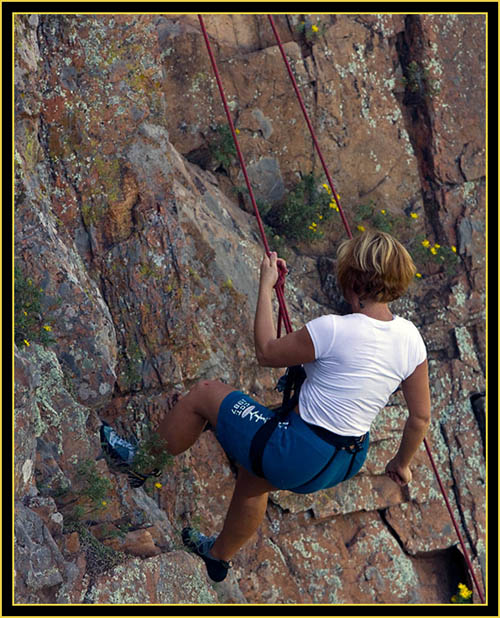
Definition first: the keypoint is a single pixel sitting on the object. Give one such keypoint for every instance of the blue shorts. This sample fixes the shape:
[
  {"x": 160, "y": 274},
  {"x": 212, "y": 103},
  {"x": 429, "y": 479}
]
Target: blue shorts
[{"x": 295, "y": 457}]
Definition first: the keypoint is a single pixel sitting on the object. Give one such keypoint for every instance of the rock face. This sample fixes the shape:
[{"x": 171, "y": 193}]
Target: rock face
[{"x": 129, "y": 221}]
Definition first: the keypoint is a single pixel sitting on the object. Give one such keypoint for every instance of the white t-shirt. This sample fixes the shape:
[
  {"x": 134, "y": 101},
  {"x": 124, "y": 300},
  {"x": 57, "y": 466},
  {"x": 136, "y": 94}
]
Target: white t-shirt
[{"x": 359, "y": 363}]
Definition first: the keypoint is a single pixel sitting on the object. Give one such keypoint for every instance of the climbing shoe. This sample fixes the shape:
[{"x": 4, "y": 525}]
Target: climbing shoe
[
  {"x": 122, "y": 453},
  {"x": 117, "y": 448},
  {"x": 136, "y": 479},
  {"x": 201, "y": 545}
]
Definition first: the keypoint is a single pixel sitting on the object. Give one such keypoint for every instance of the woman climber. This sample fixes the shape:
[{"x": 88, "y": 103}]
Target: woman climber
[{"x": 353, "y": 363}]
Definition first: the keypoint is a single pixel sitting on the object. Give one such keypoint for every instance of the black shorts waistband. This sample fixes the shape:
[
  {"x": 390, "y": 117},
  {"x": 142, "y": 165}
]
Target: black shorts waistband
[{"x": 350, "y": 443}]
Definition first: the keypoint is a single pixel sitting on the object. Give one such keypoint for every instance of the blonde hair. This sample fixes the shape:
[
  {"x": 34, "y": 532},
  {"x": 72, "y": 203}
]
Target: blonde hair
[{"x": 375, "y": 266}]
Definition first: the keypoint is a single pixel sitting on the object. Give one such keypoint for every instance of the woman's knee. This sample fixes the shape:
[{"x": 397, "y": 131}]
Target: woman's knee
[
  {"x": 204, "y": 388},
  {"x": 207, "y": 395}
]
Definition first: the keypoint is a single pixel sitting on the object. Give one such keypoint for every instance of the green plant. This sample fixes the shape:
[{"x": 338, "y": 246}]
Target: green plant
[
  {"x": 88, "y": 497},
  {"x": 369, "y": 215},
  {"x": 425, "y": 252},
  {"x": 304, "y": 211},
  {"x": 223, "y": 148},
  {"x": 30, "y": 325},
  {"x": 419, "y": 81},
  {"x": 151, "y": 455},
  {"x": 310, "y": 31},
  {"x": 421, "y": 249},
  {"x": 95, "y": 487}
]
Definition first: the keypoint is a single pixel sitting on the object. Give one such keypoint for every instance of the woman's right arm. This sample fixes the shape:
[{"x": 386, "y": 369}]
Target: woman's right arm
[{"x": 417, "y": 394}]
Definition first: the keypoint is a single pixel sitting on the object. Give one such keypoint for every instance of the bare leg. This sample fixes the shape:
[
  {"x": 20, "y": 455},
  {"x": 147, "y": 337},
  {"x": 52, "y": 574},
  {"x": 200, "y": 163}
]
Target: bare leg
[
  {"x": 245, "y": 514},
  {"x": 182, "y": 425}
]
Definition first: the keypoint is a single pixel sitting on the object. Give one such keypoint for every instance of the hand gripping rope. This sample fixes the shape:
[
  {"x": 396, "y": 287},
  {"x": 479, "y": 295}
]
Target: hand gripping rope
[{"x": 283, "y": 315}]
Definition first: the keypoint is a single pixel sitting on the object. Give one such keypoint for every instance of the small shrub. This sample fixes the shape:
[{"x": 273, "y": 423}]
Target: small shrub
[
  {"x": 276, "y": 242},
  {"x": 425, "y": 252},
  {"x": 369, "y": 215},
  {"x": 402, "y": 227},
  {"x": 30, "y": 325},
  {"x": 87, "y": 498},
  {"x": 418, "y": 80},
  {"x": 95, "y": 486},
  {"x": 152, "y": 454},
  {"x": 222, "y": 146},
  {"x": 305, "y": 209},
  {"x": 311, "y": 31}
]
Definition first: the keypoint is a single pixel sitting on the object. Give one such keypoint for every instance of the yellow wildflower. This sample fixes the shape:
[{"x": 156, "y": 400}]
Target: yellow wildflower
[
  {"x": 314, "y": 28},
  {"x": 104, "y": 503},
  {"x": 327, "y": 188},
  {"x": 425, "y": 243},
  {"x": 25, "y": 312},
  {"x": 383, "y": 211},
  {"x": 320, "y": 216},
  {"x": 47, "y": 328},
  {"x": 418, "y": 275},
  {"x": 433, "y": 250},
  {"x": 237, "y": 131},
  {"x": 26, "y": 343},
  {"x": 414, "y": 215},
  {"x": 464, "y": 592},
  {"x": 453, "y": 248},
  {"x": 158, "y": 485},
  {"x": 361, "y": 228},
  {"x": 437, "y": 246}
]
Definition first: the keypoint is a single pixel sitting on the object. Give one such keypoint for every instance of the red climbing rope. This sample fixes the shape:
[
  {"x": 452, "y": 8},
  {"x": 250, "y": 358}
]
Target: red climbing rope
[
  {"x": 283, "y": 315},
  {"x": 438, "y": 478},
  {"x": 309, "y": 124},
  {"x": 455, "y": 525}
]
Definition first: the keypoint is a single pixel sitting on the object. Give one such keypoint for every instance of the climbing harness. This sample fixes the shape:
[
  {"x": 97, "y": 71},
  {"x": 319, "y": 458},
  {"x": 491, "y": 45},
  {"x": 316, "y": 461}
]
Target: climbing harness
[
  {"x": 290, "y": 385},
  {"x": 283, "y": 315}
]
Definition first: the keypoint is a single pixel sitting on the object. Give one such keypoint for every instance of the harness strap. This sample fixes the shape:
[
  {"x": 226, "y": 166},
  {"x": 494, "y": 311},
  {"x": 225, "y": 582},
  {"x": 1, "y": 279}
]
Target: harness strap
[
  {"x": 259, "y": 442},
  {"x": 288, "y": 384},
  {"x": 292, "y": 382},
  {"x": 330, "y": 461},
  {"x": 351, "y": 463}
]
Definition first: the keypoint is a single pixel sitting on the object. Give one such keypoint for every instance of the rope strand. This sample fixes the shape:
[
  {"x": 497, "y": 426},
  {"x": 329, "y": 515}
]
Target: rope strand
[
  {"x": 309, "y": 124},
  {"x": 283, "y": 313}
]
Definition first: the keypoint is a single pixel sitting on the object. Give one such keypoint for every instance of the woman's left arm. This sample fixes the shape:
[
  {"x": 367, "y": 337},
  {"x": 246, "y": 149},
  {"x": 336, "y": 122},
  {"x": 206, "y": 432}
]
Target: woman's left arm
[
  {"x": 417, "y": 394},
  {"x": 293, "y": 349}
]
